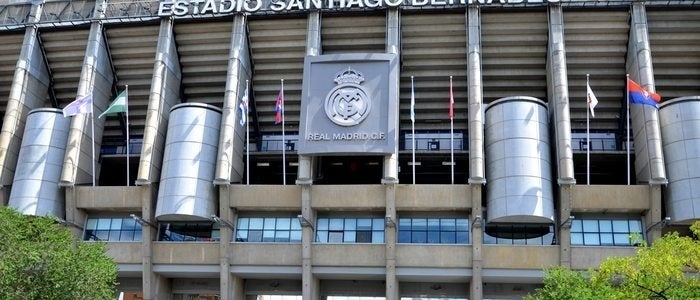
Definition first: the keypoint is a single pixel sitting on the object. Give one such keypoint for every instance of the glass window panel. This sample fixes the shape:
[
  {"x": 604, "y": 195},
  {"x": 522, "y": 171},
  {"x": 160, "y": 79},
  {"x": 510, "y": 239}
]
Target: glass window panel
[
  {"x": 91, "y": 224},
  {"x": 591, "y": 238},
  {"x": 137, "y": 235},
  {"x": 519, "y": 242},
  {"x": 462, "y": 237},
  {"x": 103, "y": 224},
  {"x": 576, "y": 239},
  {"x": 404, "y": 224},
  {"x": 335, "y": 237},
  {"x": 620, "y": 226},
  {"x": 89, "y": 235},
  {"x": 404, "y": 236},
  {"x": 282, "y": 236},
  {"x": 127, "y": 236},
  {"x": 534, "y": 241},
  {"x": 129, "y": 224},
  {"x": 434, "y": 237},
  {"x": 378, "y": 224},
  {"x": 216, "y": 235},
  {"x": 447, "y": 224},
  {"x": 268, "y": 236},
  {"x": 364, "y": 236},
  {"x": 349, "y": 236},
  {"x": 605, "y": 226},
  {"x": 622, "y": 239},
  {"x": 434, "y": 224},
  {"x": 295, "y": 224},
  {"x": 255, "y": 223},
  {"x": 590, "y": 225},
  {"x": 322, "y": 236},
  {"x": 243, "y": 223},
  {"x": 116, "y": 224},
  {"x": 102, "y": 235},
  {"x": 606, "y": 239},
  {"x": 635, "y": 225},
  {"x": 420, "y": 224},
  {"x": 548, "y": 239},
  {"x": 255, "y": 236},
  {"x": 378, "y": 237},
  {"x": 364, "y": 224},
  {"x": 447, "y": 237},
  {"x": 350, "y": 224},
  {"x": 242, "y": 236},
  {"x": 270, "y": 223},
  {"x": 283, "y": 223},
  {"x": 576, "y": 226},
  {"x": 489, "y": 239},
  {"x": 335, "y": 224},
  {"x": 322, "y": 224},
  {"x": 295, "y": 236},
  {"x": 418, "y": 237},
  {"x": 462, "y": 225}
]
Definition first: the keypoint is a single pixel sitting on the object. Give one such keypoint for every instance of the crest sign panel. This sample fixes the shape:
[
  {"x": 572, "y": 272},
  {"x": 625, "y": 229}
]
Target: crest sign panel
[{"x": 349, "y": 104}]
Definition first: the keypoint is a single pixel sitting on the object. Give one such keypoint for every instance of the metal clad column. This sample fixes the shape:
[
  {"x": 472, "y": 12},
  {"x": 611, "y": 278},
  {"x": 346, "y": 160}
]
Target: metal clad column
[
  {"x": 477, "y": 177},
  {"x": 649, "y": 159},
  {"x": 230, "y": 166},
  {"x": 558, "y": 94},
  {"x": 393, "y": 46},
  {"x": 165, "y": 92},
  {"x": 517, "y": 162},
  {"x": 680, "y": 129},
  {"x": 393, "y": 32},
  {"x": 28, "y": 91},
  {"x": 310, "y": 284},
  {"x": 35, "y": 188},
  {"x": 186, "y": 189},
  {"x": 96, "y": 78}
]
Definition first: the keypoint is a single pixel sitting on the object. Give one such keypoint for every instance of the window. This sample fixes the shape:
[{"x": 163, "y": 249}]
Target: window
[
  {"x": 519, "y": 234},
  {"x": 350, "y": 230},
  {"x": 268, "y": 229},
  {"x": 434, "y": 140},
  {"x": 189, "y": 232},
  {"x": 604, "y": 232},
  {"x": 112, "y": 229},
  {"x": 434, "y": 230}
]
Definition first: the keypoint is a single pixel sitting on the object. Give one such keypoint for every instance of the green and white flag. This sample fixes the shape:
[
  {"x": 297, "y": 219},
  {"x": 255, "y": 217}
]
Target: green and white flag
[{"x": 117, "y": 106}]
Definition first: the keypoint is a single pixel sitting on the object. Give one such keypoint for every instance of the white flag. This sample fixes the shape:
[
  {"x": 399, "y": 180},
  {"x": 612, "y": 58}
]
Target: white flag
[
  {"x": 413, "y": 103},
  {"x": 592, "y": 100},
  {"x": 243, "y": 107},
  {"x": 79, "y": 106}
]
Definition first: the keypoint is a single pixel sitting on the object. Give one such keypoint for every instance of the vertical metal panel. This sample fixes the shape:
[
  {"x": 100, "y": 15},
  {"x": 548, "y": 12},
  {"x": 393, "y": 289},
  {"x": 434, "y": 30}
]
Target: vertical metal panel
[
  {"x": 35, "y": 188},
  {"x": 518, "y": 167},
  {"x": 680, "y": 131},
  {"x": 186, "y": 190}
]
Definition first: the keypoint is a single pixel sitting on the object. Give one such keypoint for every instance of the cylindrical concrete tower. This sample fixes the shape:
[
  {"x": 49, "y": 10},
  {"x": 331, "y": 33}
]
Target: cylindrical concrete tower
[
  {"x": 186, "y": 190},
  {"x": 518, "y": 168},
  {"x": 35, "y": 188}
]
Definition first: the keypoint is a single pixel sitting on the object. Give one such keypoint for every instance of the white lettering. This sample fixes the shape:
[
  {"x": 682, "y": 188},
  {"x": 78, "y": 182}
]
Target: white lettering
[
  {"x": 165, "y": 6},
  {"x": 195, "y": 4},
  {"x": 180, "y": 8},
  {"x": 357, "y": 3},
  {"x": 295, "y": 4},
  {"x": 419, "y": 2},
  {"x": 316, "y": 4},
  {"x": 393, "y": 4},
  {"x": 373, "y": 3},
  {"x": 277, "y": 5},
  {"x": 209, "y": 7},
  {"x": 248, "y": 8},
  {"x": 223, "y": 8}
]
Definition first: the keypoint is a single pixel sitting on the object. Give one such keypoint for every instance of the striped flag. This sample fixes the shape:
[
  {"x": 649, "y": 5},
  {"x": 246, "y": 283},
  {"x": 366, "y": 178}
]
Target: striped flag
[
  {"x": 637, "y": 94},
  {"x": 279, "y": 107},
  {"x": 117, "y": 106}
]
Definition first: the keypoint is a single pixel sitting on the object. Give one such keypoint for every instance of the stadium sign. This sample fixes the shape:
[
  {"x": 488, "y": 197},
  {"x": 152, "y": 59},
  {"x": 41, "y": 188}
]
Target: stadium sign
[{"x": 208, "y": 7}]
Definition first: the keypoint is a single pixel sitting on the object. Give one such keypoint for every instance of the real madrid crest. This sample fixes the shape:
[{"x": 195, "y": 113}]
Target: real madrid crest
[{"x": 348, "y": 104}]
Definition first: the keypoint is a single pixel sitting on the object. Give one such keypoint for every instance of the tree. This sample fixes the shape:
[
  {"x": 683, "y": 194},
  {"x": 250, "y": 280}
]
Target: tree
[
  {"x": 40, "y": 259},
  {"x": 668, "y": 269}
]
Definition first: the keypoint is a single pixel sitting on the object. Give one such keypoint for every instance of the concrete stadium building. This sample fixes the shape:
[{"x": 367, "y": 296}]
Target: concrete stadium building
[{"x": 374, "y": 185}]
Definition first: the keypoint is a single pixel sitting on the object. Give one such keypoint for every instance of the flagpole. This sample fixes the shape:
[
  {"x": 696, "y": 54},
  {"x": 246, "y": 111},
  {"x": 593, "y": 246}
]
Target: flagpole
[
  {"x": 627, "y": 89},
  {"x": 126, "y": 107},
  {"x": 284, "y": 145},
  {"x": 413, "y": 131},
  {"x": 92, "y": 117},
  {"x": 452, "y": 152},
  {"x": 588, "y": 134},
  {"x": 247, "y": 139}
]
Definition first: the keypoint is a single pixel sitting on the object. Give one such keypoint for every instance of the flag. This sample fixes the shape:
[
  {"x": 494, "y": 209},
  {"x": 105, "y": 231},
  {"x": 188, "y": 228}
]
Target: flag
[
  {"x": 413, "y": 103},
  {"x": 117, "y": 106},
  {"x": 637, "y": 94},
  {"x": 243, "y": 106},
  {"x": 279, "y": 107},
  {"x": 452, "y": 101},
  {"x": 591, "y": 98},
  {"x": 79, "y": 106}
]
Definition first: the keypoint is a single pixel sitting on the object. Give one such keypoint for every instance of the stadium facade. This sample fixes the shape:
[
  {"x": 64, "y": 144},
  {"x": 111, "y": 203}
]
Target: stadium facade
[{"x": 399, "y": 149}]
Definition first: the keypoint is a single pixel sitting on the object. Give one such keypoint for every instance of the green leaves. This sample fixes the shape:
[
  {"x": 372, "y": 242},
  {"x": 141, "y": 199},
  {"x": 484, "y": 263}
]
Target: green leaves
[
  {"x": 668, "y": 269},
  {"x": 40, "y": 259}
]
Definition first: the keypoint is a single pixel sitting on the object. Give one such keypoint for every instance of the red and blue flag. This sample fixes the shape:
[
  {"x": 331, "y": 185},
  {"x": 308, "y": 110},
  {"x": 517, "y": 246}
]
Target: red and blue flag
[
  {"x": 279, "y": 107},
  {"x": 637, "y": 94}
]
